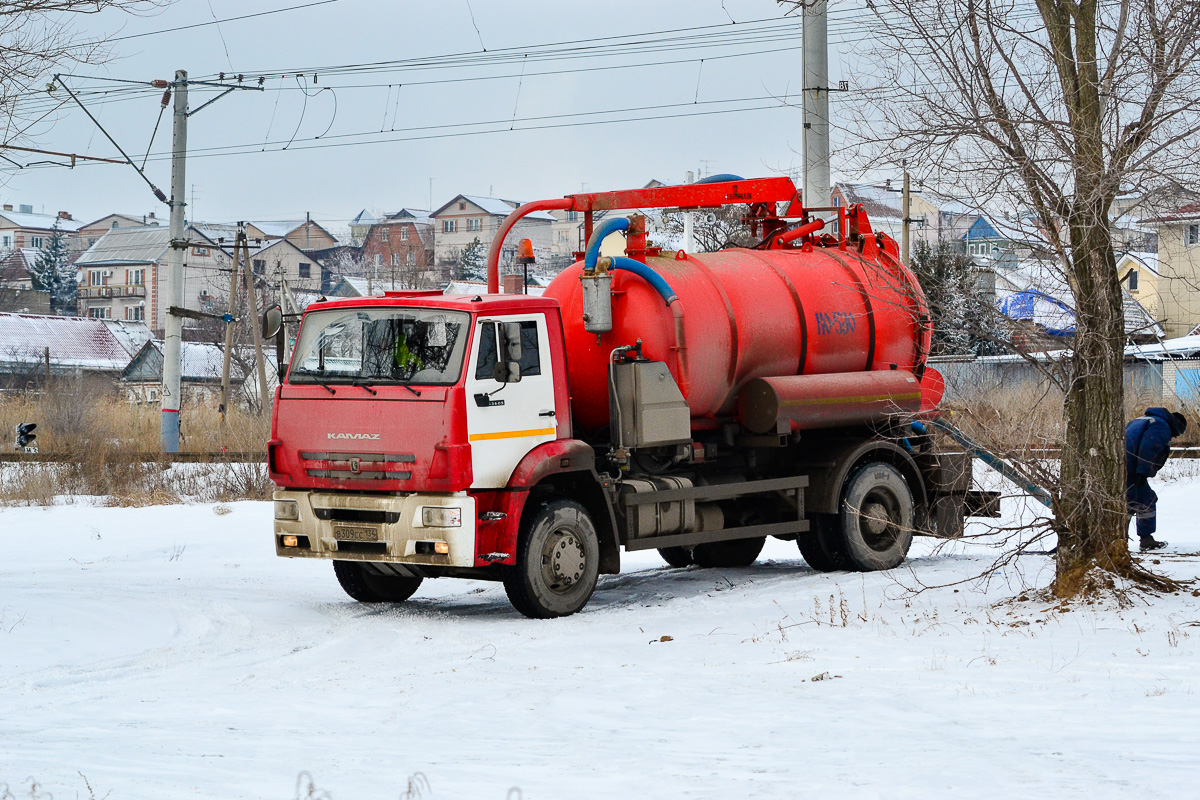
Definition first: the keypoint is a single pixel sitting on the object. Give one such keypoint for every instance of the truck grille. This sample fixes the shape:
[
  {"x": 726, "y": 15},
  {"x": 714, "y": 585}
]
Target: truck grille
[{"x": 358, "y": 466}]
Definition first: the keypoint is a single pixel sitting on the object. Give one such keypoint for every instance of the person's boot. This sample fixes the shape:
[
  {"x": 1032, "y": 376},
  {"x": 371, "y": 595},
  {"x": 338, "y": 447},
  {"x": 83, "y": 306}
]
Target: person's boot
[{"x": 1150, "y": 543}]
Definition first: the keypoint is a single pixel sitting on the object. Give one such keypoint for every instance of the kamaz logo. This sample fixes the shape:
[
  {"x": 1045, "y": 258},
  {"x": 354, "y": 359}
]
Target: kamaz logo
[{"x": 352, "y": 436}]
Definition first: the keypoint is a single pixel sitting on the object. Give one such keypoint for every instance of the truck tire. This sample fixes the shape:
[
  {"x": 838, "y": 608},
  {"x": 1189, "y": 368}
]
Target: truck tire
[
  {"x": 366, "y": 586},
  {"x": 558, "y": 562},
  {"x": 730, "y": 553},
  {"x": 875, "y": 519},
  {"x": 677, "y": 557},
  {"x": 820, "y": 546}
]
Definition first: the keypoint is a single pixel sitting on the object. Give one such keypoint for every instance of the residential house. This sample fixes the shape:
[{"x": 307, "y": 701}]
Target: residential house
[
  {"x": 90, "y": 233},
  {"x": 883, "y": 205},
  {"x": 201, "y": 368},
  {"x": 342, "y": 259},
  {"x": 400, "y": 248},
  {"x": 29, "y": 344},
  {"x": 1178, "y": 278},
  {"x": 468, "y": 217},
  {"x": 359, "y": 226},
  {"x": 23, "y": 228},
  {"x": 1139, "y": 276},
  {"x": 304, "y": 233},
  {"x": 15, "y": 268},
  {"x": 280, "y": 260},
  {"x": 123, "y": 275}
]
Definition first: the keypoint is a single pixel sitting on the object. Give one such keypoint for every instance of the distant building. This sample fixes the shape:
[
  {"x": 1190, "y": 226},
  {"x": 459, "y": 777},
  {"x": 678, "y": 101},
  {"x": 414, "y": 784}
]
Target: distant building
[
  {"x": 468, "y": 217},
  {"x": 400, "y": 248},
  {"x": 90, "y": 233},
  {"x": 76, "y": 346},
  {"x": 1178, "y": 269},
  {"x": 123, "y": 275},
  {"x": 15, "y": 266},
  {"x": 201, "y": 368},
  {"x": 281, "y": 260},
  {"x": 304, "y": 234},
  {"x": 23, "y": 228}
]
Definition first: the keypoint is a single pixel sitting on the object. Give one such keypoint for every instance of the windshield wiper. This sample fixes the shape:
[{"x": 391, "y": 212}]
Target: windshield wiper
[
  {"x": 363, "y": 386},
  {"x": 325, "y": 386},
  {"x": 406, "y": 386}
]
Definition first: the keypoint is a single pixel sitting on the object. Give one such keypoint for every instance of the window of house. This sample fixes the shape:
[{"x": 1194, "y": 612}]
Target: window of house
[
  {"x": 404, "y": 234},
  {"x": 412, "y": 258},
  {"x": 395, "y": 259},
  {"x": 1133, "y": 280},
  {"x": 135, "y": 313},
  {"x": 379, "y": 259},
  {"x": 572, "y": 216},
  {"x": 449, "y": 225},
  {"x": 203, "y": 252},
  {"x": 462, "y": 206},
  {"x": 96, "y": 277},
  {"x": 100, "y": 313},
  {"x": 8, "y": 241},
  {"x": 115, "y": 223},
  {"x": 474, "y": 224},
  {"x": 135, "y": 277},
  {"x": 1193, "y": 234},
  {"x": 305, "y": 270},
  {"x": 36, "y": 242}
]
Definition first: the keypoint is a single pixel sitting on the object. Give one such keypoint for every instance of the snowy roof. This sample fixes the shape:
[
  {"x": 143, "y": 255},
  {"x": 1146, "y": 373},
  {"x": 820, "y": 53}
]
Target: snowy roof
[
  {"x": 279, "y": 228},
  {"x": 131, "y": 335},
  {"x": 494, "y": 206},
  {"x": 877, "y": 200},
  {"x": 201, "y": 361},
  {"x": 1181, "y": 347},
  {"x": 134, "y": 246},
  {"x": 1036, "y": 291},
  {"x": 363, "y": 217},
  {"x": 73, "y": 341},
  {"x": 15, "y": 264},
  {"x": 1145, "y": 260},
  {"x": 44, "y": 222},
  {"x": 1191, "y": 211},
  {"x": 480, "y": 287}
]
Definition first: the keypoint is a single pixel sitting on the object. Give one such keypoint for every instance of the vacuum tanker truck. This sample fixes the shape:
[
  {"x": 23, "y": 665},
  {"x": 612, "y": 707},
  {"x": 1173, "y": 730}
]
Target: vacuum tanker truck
[{"x": 693, "y": 403}]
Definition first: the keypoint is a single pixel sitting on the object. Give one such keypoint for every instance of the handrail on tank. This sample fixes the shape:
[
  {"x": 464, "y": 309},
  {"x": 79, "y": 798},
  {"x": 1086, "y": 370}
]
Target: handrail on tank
[{"x": 692, "y": 195}]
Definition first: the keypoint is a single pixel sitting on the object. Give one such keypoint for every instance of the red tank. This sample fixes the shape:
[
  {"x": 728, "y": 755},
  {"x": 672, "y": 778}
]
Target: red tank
[{"x": 749, "y": 314}]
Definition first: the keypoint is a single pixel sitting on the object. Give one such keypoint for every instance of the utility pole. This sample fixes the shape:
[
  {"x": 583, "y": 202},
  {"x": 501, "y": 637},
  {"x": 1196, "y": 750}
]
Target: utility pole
[
  {"x": 173, "y": 335},
  {"x": 906, "y": 210},
  {"x": 815, "y": 34},
  {"x": 252, "y": 297},
  {"x": 689, "y": 232},
  {"x": 233, "y": 282}
]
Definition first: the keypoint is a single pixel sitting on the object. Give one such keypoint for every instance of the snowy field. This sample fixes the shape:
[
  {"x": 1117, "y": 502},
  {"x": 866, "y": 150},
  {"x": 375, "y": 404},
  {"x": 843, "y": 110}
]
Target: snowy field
[{"x": 167, "y": 653}]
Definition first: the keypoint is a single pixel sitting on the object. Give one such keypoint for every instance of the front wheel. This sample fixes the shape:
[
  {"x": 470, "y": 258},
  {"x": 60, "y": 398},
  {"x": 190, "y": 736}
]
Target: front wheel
[
  {"x": 558, "y": 562},
  {"x": 368, "y": 586}
]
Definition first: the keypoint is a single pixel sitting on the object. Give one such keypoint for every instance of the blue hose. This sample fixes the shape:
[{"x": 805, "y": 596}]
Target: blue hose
[
  {"x": 645, "y": 273},
  {"x": 599, "y": 234}
]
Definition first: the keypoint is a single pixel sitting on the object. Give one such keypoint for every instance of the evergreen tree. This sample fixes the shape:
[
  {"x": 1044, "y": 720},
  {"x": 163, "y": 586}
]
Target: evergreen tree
[
  {"x": 965, "y": 320},
  {"x": 52, "y": 273},
  {"x": 471, "y": 262}
]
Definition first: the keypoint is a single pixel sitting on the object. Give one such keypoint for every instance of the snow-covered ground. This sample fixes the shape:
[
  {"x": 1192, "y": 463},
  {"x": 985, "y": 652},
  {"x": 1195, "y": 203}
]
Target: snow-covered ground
[{"x": 167, "y": 653}]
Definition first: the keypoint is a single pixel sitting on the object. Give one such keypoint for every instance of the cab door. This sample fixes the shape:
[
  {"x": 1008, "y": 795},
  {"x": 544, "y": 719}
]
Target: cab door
[{"x": 507, "y": 420}]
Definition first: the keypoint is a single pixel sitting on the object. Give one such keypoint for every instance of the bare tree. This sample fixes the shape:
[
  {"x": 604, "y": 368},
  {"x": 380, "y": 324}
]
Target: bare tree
[
  {"x": 36, "y": 37},
  {"x": 1051, "y": 108},
  {"x": 714, "y": 229}
]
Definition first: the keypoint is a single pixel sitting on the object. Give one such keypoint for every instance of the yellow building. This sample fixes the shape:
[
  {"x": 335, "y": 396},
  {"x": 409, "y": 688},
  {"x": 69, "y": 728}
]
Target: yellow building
[{"x": 1178, "y": 279}]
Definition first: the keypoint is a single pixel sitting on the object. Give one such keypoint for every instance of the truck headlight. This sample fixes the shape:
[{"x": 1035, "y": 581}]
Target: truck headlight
[
  {"x": 287, "y": 510},
  {"x": 441, "y": 517}
]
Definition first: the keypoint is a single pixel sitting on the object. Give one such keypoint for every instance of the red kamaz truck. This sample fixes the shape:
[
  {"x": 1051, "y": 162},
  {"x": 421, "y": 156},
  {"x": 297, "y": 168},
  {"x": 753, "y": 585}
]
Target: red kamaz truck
[{"x": 693, "y": 403}]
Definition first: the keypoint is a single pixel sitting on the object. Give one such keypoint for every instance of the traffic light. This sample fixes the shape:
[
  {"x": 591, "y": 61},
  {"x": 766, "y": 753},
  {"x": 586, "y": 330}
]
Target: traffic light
[{"x": 25, "y": 435}]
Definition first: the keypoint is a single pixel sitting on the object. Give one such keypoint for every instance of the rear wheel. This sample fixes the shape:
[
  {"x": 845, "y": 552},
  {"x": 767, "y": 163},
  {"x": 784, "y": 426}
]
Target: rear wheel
[
  {"x": 731, "y": 553},
  {"x": 874, "y": 520},
  {"x": 558, "y": 562},
  {"x": 367, "y": 586},
  {"x": 676, "y": 556},
  {"x": 821, "y": 546}
]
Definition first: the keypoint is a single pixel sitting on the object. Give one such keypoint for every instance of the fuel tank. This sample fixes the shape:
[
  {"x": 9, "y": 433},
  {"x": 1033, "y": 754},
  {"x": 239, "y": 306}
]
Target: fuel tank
[{"x": 748, "y": 314}]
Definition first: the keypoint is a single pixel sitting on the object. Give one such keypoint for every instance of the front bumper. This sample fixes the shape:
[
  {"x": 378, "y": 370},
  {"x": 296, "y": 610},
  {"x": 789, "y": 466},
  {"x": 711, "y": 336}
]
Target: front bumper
[{"x": 355, "y": 527}]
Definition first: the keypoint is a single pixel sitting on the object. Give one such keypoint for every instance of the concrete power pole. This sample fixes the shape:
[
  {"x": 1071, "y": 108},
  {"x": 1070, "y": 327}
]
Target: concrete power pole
[
  {"x": 173, "y": 296},
  {"x": 816, "y": 104},
  {"x": 689, "y": 235},
  {"x": 906, "y": 210}
]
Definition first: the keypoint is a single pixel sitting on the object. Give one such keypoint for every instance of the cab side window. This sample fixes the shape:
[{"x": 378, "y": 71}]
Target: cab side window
[{"x": 531, "y": 357}]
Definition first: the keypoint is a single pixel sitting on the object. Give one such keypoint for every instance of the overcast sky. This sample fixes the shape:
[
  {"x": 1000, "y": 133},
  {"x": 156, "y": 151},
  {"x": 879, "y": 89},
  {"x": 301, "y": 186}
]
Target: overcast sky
[{"x": 377, "y": 127}]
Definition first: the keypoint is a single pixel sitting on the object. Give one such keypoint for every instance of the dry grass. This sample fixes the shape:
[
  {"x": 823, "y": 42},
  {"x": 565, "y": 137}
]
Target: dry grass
[{"x": 110, "y": 449}]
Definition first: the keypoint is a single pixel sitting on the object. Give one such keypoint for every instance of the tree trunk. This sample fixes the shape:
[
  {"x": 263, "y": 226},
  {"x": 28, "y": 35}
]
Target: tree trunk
[{"x": 1092, "y": 522}]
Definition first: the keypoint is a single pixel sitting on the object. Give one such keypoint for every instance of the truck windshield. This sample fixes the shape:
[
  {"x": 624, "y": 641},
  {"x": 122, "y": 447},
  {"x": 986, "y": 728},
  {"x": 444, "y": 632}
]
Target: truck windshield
[{"x": 420, "y": 346}]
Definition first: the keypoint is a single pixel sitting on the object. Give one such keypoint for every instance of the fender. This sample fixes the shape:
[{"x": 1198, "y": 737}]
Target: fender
[
  {"x": 824, "y": 491},
  {"x": 552, "y": 458}
]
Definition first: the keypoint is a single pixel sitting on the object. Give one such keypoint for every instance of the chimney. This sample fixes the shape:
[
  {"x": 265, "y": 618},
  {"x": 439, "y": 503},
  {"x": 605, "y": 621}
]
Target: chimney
[
  {"x": 511, "y": 284},
  {"x": 64, "y": 215},
  {"x": 8, "y": 207},
  {"x": 26, "y": 208}
]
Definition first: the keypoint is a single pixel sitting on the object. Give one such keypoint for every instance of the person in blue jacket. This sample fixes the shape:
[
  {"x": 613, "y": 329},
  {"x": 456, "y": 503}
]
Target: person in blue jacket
[{"x": 1147, "y": 445}]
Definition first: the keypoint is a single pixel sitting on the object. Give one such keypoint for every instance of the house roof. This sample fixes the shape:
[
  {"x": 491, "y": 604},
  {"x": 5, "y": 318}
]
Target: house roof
[
  {"x": 135, "y": 246},
  {"x": 278, "y": 229},
  {"x": 200, "y": 362},
  {"x": 73, "y": 341},
  {"x": 134, "y": 220},
  {"x": 364, "y": 217},
  {"x": 876, "y": 200},
  {"x": 494, "y": 206},
  {"x": 43, "y": 222},
  {"x": 1184, "y": 213},
  {"x": 14, "y": 265},
  {"x": 1147, "y": 261}
]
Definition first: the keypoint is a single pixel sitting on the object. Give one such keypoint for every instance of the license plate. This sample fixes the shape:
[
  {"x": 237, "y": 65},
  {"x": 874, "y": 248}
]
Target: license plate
[{"x": 355, "y": 534}]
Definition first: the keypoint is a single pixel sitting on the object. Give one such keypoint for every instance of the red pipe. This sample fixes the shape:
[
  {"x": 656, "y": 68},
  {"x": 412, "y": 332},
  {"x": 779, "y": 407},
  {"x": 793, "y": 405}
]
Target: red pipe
[
  {"x": 802, "y": 231},
  {"x": 493, "y": 260}
]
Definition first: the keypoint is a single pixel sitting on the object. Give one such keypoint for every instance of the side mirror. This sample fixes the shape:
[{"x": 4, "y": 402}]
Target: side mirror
[
  {"x": 272, "y": 321},
  {"x": 511, "y": 349},
  {"x": 507, "y": 372}
]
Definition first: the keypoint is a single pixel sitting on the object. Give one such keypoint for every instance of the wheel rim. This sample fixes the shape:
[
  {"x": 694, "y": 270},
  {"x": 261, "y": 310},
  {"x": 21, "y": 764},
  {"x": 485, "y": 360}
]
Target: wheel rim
[
  {"x": 879, "y": 519},
  {"x": 563, "y": 561}
]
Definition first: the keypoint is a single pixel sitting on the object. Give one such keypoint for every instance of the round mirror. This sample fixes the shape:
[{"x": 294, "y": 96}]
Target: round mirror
[{"x": 272, "y": 321}]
